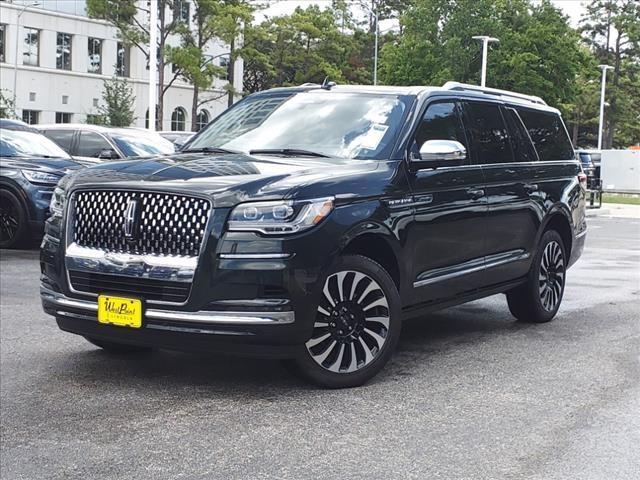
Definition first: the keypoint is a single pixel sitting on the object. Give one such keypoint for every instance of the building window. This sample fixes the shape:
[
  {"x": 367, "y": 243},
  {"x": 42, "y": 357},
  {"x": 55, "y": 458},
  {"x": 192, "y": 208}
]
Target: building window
[
  {"x": 3, "y": 29},
  {"x": 123, "y": 60},
  {"x": 94, "y": 63},
  {"x": 30, "y": 48},
  {"x": 30, "y": 116},
  {"x": 146, "y": 118},
  {"x": 202, "y": 119},
  {"x": 63, "y": 51},
  {"x": 178, "y": 119},
  {"x": 181, "y": 10},
  {"x": 63, "y": 117},
  {"x": 224, "y": 63}
]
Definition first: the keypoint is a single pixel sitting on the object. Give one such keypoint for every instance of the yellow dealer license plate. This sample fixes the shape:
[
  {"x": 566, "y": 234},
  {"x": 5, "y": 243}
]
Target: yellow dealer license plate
[{"x": 124, "y": 312}]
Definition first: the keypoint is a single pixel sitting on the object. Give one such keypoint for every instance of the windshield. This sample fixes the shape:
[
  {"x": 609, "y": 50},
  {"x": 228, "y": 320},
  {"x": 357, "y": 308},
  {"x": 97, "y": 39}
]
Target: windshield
[
  {"x": 335, "y": 124},
  {"x": 14, "y": 143},
  {"x": 142, "y": 144}
]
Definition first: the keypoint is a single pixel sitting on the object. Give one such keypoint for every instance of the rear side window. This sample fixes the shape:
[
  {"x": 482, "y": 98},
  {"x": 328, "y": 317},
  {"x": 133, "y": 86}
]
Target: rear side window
[
  {"x": 523, "y": 150},
  {"x": 489, "y": 138},
  {"x": 63, "y": 138},
  {"x": 440, "y": 122},
  {"x": 548, "y": 134}
]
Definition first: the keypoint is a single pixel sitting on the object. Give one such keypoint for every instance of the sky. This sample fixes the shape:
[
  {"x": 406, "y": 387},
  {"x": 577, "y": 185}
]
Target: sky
[{"x": 573, "y": 8}]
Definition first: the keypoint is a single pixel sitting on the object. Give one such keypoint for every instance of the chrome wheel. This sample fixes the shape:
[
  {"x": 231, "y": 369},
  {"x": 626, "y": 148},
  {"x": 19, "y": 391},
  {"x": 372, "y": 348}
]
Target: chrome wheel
[
  {"x": 551, "y": 276},
  {"x": 351, "y": 324}
]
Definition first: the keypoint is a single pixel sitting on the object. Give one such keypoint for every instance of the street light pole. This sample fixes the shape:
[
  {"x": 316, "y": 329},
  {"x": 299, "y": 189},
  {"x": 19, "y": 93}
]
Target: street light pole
[
  {"x": 602, "y": 89},
  {"x": 153, "y": 63},
  {"x": 485, "y": 47},
  {"x": 375, "y": 54},
  {"x": 15, "y": 63}
]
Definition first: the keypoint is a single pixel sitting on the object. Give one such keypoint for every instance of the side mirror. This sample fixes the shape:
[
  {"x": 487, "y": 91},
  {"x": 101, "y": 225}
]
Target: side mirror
[
  {"x": 108, "y": 154},
  {"x": 440, "y": 153}
]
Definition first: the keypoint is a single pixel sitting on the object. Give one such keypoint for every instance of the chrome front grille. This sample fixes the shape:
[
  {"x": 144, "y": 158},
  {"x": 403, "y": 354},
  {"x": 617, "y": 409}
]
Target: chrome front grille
[{"x": 141, "y": 223}]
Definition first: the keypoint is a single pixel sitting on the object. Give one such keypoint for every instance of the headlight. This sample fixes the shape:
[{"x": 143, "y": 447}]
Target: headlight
[
  {"x": 56, "y": 207},
  {"x": 278, "y": 217},
  {"x": 41, "y": 177}
]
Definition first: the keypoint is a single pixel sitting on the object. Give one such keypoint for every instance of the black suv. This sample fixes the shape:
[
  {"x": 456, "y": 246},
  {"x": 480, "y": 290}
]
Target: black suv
[{"x": 306, "y": 223}]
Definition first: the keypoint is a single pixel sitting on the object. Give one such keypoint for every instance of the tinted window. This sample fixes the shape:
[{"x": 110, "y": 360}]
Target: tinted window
[
  {"x": 62, "y": 137},
  {"x": 489, "y": 139},
  {"x": 91, "y": 144},
  {"x": 548, "y": 134},
  {"x": 440, "y": 122},
  {"x": 523, "y": 150}
]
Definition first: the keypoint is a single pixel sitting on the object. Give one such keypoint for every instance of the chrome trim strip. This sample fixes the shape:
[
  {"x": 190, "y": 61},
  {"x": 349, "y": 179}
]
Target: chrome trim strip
[
  {"x": 581, "y": 234},
  {"x": 498, "y": 260},
  {"x": 254, "y": 256},
  {"x": 202, "y": 317},
  {"x": 125, "y": 259},
  {"x": 244, "y": 318}
]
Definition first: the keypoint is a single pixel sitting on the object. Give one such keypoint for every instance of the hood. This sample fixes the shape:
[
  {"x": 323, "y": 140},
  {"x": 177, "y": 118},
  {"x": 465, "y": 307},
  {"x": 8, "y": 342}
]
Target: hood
[
  {"x": 226, "y": 178},
  {"x": 56, "y": 166}
]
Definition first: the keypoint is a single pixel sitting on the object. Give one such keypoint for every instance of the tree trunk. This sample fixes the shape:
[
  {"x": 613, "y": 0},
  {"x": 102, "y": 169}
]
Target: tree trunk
[
  {"x": 161, "y": 64},
  {"x": 231, "y": 72},
  {"x": 194, "y": 109}
]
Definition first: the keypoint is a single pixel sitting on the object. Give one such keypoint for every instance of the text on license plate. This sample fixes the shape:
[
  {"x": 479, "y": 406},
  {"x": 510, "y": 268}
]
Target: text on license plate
[{"x": 124, "y": 312}]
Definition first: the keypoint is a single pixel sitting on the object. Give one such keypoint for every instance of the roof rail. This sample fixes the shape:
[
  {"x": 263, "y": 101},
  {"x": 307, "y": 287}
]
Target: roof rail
[{"x": 492, "y": 91}]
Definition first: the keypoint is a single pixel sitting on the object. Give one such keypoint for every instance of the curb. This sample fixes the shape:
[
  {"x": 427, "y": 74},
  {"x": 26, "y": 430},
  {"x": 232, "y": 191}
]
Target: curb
[{"x": 597, "y": 212}]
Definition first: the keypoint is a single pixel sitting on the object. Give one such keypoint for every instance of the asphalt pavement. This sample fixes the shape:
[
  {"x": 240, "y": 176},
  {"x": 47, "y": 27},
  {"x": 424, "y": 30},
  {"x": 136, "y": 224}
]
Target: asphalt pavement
[{"x": 470, "y": 394}]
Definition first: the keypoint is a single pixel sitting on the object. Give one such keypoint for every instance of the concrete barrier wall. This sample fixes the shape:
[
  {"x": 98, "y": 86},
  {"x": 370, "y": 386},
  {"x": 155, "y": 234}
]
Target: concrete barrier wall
[{"x": 620, "y": 171}]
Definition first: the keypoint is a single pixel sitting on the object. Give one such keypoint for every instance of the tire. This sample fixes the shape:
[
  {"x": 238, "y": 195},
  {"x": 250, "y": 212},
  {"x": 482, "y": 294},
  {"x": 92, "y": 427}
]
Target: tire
[
  {"x": 114, "y": 347},
  {"x": 13, "y": 221},
  {"x": 347, "y": 347},
  {"x": 538, "y": 300}
]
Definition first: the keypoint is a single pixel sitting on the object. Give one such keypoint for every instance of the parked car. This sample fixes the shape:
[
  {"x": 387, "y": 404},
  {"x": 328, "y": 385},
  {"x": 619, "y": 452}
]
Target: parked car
[
  {"x": 30, "y": 167},
  {"x": 306, "y": 223},
  {"x": 177, "y": 138},
  {"x": 96, "y": 143}
]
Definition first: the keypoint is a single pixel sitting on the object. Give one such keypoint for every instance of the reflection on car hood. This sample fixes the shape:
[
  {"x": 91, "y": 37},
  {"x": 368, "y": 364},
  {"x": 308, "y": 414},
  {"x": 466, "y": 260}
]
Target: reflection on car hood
[
  {"x": 227, "y": 178},
  {"x": 57, "y": 166}
]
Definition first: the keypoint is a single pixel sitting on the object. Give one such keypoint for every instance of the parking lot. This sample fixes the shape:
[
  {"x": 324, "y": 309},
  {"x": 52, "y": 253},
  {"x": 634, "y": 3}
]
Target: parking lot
[{"x": 471, "y": 394}]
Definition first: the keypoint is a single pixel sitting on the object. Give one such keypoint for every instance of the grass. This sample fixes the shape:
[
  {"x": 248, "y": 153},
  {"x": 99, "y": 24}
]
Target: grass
[{"x": 621, "y": 198}]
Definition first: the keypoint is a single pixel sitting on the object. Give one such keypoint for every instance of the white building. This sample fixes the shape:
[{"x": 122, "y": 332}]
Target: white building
[{"x": 63, "y": 58}]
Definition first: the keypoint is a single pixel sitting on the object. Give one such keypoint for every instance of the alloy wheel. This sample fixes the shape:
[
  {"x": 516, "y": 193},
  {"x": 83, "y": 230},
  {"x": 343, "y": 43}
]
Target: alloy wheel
[
  {"x": 351, "y": 324},
  {"x": 551, "y": 276},
  {"x": 9, "y": 220}
]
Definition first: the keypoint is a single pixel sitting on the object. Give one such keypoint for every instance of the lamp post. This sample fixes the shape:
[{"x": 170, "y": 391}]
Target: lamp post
[
  {"x": 375, "y": 48},
  {"x": 153, "y": 63},
  {"x": 485, "y": 44},
  {"x": 15, "y": 63},
  {"x": 602, "y": 89}
]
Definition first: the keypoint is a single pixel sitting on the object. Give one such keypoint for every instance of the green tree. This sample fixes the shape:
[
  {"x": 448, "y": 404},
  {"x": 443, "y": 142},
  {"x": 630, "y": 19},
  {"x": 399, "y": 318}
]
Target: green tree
[
  {"x": 539, "y": 52},
  {"x": 306, "y": 46},
  {"x": 7, "y": 107},
  {"x": 117, "y": 110},
  {"x": 190, "y": 58},
  {"x": 612, "y": 30},
  {"x": 131, "y": 19}
]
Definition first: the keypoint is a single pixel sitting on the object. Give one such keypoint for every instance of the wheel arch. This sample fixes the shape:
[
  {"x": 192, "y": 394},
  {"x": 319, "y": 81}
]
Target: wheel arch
[
  {"x": 378, "y": 243},
  {"x": 19, "y": 193},
  {"x": 559, "y": 220}
]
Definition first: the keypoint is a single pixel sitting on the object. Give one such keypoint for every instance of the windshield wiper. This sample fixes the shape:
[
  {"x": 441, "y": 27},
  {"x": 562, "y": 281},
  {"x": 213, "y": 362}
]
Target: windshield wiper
[
  {"x": 289, "y": 152},
  {"x": 208, "y": 150}
]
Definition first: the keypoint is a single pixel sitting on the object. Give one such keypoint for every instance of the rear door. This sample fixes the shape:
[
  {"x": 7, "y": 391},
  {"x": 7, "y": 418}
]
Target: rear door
[
  {"x": 446, "y": 237},
  {"x": 508, "y": 167}
]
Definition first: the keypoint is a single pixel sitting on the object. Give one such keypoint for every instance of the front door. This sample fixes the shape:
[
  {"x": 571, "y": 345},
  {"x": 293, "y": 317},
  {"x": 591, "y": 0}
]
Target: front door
[{"x": 447, "y": 234}]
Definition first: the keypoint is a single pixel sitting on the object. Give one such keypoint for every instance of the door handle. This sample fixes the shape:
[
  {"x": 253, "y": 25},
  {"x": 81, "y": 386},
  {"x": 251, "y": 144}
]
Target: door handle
[
  {"x": 475, "y": 194},
  {"x": 530, "y": 187}
]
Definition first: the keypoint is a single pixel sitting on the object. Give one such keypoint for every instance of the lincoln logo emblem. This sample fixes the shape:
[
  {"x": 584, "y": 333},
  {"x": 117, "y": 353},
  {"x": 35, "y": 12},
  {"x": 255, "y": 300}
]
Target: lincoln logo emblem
[{"x": 130, "y": 219}]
